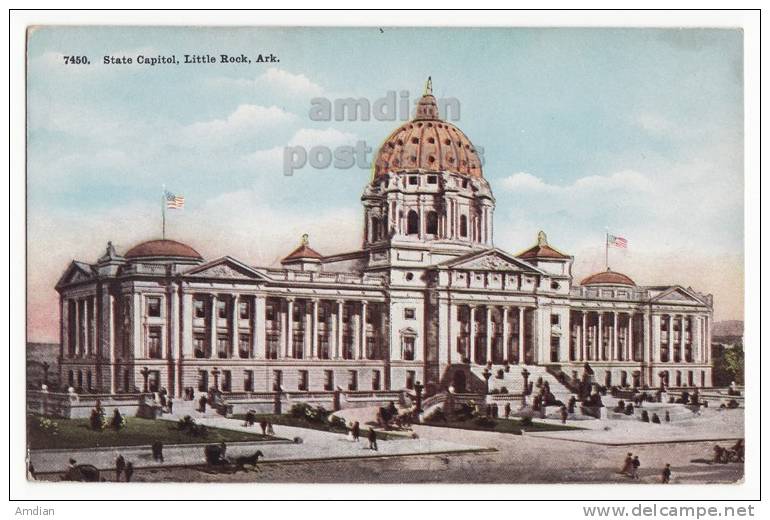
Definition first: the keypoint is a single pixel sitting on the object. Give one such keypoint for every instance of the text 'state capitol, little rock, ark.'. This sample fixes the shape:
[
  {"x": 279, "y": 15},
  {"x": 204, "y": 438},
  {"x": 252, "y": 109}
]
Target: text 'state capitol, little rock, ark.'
[{"x": 427, "y": 301}]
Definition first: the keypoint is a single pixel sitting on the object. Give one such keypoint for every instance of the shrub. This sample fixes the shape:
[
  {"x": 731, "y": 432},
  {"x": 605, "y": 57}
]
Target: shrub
[
  {"x": 337, "y": 423},
  {"x": 436, "y": 415},
  {"x": 732, "y": 403},
  {"x": 484, "y": 421},
  {"x": 503, "y": 390},
  {"x": 188, "y": 425},
  {"x": 525, "y": 421},
  {"x": 48, "y": 426},
  {"x": 301, "y": 410}
]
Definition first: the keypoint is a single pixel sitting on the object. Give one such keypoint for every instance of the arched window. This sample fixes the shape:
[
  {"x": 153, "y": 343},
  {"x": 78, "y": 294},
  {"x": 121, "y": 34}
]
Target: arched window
[
  {"x": 375, "y": 231},
  {"x": 463, "y": 226},
  {"x": 431, "y": 224},
  {"x": 385, "y": 230},
  {"x": 412, "y": 223}
]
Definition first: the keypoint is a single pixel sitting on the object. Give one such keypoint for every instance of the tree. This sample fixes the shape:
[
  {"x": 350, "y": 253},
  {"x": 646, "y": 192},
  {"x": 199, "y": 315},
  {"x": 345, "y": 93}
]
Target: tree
[{"x": 728, "y": 364}]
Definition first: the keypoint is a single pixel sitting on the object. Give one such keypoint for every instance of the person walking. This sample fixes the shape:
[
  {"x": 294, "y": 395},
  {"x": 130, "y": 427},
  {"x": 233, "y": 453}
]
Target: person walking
[
  {"x": 665, "y": 476},
  {"x": 270, "y": 428},
  {"x": 120, "y": 465},
  {"x": 170, "y": 405},
  {"x": 635, "y": 467},
  {"x": 372, "y": 439},
  {"x": 356, "y": 431},
  {"x": 627, "y": 465},
  {"x": 157, "y": 451},
  {"x": 263, "y": 425},
  {"x": 564, "y": 414},
  {"x": 129, "y": 471}
]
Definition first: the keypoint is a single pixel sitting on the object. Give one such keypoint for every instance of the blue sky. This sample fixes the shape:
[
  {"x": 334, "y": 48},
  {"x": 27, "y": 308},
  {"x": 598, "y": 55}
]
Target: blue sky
[{"x": 638, "y": 130}]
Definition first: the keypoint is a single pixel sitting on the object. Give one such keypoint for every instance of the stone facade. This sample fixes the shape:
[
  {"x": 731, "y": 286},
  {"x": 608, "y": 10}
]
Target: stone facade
[{"x": 426, "y": 297}]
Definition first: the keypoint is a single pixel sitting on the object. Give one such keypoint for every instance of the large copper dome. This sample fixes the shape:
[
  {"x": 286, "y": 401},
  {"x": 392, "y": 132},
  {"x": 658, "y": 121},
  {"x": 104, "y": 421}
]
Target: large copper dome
[
  {"x": 428, "y": 143},
  {"x": 608, "y": 277},
  {"x": 164, "y": 248}
]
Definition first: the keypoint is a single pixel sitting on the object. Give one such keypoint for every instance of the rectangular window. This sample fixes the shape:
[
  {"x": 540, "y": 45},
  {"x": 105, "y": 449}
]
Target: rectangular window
[
  {"x": 200, "y": 310},
  {"x": 270, "y": 313},
  {"x": 376, "y": 383},
  {"x": 322, "y": 313},
  {"x": 413, "y": 180},
  {"x": 199, "y": 345},
  {"x": 352, "y": 380},
  {"x": 409, "y": 348},
  {"x": 554, "y": 319},
  {"x": 277, "y": 380},
  {"x": 244, "y": 345},
  {"x": 410, "y": 377},
  {"x": 345, "y": 313},
  {"x": 227, "y": 381},
  {"x": 328, "y": 380},
  {"x": 248, "y": 381},
  {"x": 153, "y": 306},
  {"x": 154, "y": 343},
  {"x": 203, "y": 381},
  {"x": 409, "y": 313},
  {"x": 296, "y": 312},
  {"x": 432, "y": 179},
  {"x": 221, "y": 309},
  {"x": 243, "y": 310},
  {"x": 555, "y": 344},
  {"x": 223, "y": 343},
  {"x": 302, "y": 384}
]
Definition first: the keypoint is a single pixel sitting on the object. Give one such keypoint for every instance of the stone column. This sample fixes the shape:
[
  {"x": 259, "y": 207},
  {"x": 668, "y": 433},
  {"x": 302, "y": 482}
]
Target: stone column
[
  {"x": 110, "y": 317},
  {"x": 584, "y": 338},
  {"x": 600, "y": 339},
  {"x": 657, "y": 340},
  {"x": 473, "y": 333},
  {"x": 490, "y": 336},
  {"x": 522, "y": 351},
  {"x": 695, "y": 338},
  {"x": 682, "y": 333},
  {"x": 213, "y": 332},
  {"x": 138, "y": 340},
  {"x": 64, "y": 329},
  {"x": 76, "y": 332},
  {"x": 362, "y": 337},
  {"x": 338, "y": 342},
  {"x": 289, "y": 346},
  {"x": 506, "y": 333},
  {"x": 355, "y": 325},
  {"x": 314, "y": 331},
  {"x": 235, "y": 336},
  {"x": 630, "y": 339},
  {"x": 187, "y": 321},
  {"x": 86, "y": 326},
  {"x": 259, "y": 339},
  {"x": 307, "y": 344},
  {"x": 615, "y": 353}
]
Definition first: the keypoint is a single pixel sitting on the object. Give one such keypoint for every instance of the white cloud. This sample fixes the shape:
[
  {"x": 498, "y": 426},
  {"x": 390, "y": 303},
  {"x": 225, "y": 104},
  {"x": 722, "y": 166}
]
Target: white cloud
[
  {"x": 275, "y": 81},
  {"x": 247, "y": 122}
]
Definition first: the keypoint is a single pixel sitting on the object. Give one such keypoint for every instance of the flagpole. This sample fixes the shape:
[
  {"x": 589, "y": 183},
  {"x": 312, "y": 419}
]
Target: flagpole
[
  {"x": 163, "y": 210},
  {"x": 606, "y": 250}
]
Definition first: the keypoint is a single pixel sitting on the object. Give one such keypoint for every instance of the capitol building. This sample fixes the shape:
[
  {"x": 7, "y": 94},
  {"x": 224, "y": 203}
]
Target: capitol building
[{"x": 427, "y": 298}]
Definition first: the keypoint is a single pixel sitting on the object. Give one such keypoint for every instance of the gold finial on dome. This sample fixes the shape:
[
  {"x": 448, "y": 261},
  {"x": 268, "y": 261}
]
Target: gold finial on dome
[
  {"x": 305, "y": 239},
  {"x": 542, "y": 240},
  {"x": 428, "y": 87}
]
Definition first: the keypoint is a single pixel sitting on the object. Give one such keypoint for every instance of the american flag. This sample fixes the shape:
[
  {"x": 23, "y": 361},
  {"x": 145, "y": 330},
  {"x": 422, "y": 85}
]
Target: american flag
[
  {"x": 616, "y": 241},
  {"x": 174, "y": 201}
]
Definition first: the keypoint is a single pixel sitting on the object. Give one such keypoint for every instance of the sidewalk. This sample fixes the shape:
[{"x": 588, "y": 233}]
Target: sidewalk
[{"x": 316, "y": 445}]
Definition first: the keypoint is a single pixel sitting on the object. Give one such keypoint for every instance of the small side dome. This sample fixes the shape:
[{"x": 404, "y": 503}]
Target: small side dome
[
  {"x": 608, "y": 277},
  {"x": 163, "y": 248},
  {"x": 303, "y": 253}
]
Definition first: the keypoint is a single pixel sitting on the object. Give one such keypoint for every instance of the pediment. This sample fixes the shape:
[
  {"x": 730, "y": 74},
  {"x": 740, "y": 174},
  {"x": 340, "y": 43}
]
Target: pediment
[
  {"x": 76, "y": 272},
  {"x": 228, "y": 268},
  {"x": 677, "y": 295},
  {"x": 491, "y": 260}
]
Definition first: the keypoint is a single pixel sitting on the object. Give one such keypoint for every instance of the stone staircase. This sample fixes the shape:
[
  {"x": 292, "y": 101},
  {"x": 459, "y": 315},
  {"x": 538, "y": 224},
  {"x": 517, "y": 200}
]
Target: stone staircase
[{"x": 513, "y": 380}]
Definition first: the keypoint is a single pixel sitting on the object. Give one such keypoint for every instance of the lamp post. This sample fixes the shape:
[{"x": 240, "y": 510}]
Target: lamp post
[
  {"x": 215, "y": 374},
  {"x": 487, "y": 374},
  {"x": 418, "y": 387},
  {"x": 145, "y": 372},
  {"x": 525, "y": 375}
]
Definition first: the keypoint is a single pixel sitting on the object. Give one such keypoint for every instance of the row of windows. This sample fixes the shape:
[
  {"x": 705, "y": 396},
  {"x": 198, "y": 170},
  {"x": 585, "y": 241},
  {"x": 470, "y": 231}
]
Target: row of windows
[{"x": 303, "y": 380}]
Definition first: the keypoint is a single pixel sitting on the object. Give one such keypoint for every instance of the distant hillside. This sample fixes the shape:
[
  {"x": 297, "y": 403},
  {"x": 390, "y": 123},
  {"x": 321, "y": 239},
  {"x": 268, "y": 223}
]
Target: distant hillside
[{"x": 727, "y": 328}]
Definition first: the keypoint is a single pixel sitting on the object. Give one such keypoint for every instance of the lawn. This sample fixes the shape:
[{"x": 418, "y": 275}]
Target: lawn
[
  {"x": 302, "y": 422},
  {"x": 513, "y": 426},
  {"x": 76, "y": 433}
]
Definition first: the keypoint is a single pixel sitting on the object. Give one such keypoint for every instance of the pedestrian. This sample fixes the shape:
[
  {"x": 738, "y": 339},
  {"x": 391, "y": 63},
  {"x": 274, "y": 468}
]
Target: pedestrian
[
  {"x": 120, "y": 465},
  {"x": 72, "y": 470},
  {"x": 356, "y": 431},
  {"x": 269, "y": 428},
  {"x": 129, "y": 471},
  {"x": 627, "y": 465},
  {"x": 222, "y": 450},
  {"x": 170, "y": 405},
  {"x": 635, "y": 468},
  {"x": 372, "y": 439},
  {"x": 665, "y": 476},
  {"x": 668, "y": 417},
  {"x": 202, "y": 404},
  {"x": 263, "y": 425},
  {"x": 507, "y": 410},
  {"x": 157, "y": 451},
  {"x": 564, "y": 414}
]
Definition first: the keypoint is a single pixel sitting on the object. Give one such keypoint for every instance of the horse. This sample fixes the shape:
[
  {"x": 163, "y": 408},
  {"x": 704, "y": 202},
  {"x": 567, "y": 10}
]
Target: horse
[{"x": 247, "y": 460}]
